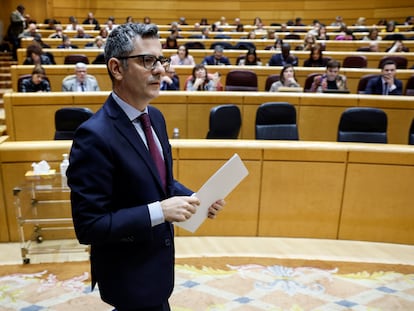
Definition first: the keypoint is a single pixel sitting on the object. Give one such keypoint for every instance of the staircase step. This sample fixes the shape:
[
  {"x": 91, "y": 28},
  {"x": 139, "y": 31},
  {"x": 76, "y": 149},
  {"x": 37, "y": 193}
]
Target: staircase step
[
  {"x": 5, "y": 76},
  {"x": 5, "y": 69},
  {"x": 7, "y": 63},
  {"x": 5, "y": 84},
  {"x": 5, "y": 90}
]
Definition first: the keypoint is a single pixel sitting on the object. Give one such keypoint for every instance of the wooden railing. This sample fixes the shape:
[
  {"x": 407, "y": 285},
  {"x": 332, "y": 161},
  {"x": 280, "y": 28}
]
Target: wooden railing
[
  {"x": 30, "y": 116},
  {"x": 294, "y": 189}
]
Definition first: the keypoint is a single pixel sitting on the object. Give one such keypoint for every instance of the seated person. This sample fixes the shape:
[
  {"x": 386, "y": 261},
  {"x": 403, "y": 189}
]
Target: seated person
[
  {"x": 80, "y": 81},
  {"x": 200, "y": 80},
  {"x": 308, "y": 42},
  {"x": 397, "y": 47},
  {"x": 386, "y": 83},
  {"x": 331, "y": 79},
  {"x": 35, "y": 56},
  {"x": 287, "y": 79},
  {"x": 170, "y": 43},
  {"x": 284, "y": 57},
  {"x": 345, "y": 34},
  {"x": 91, "y": 20},
  {"x": 315, "y": 58},
  {"x": 31, "y": 32},
  {"x": 373, "y": 35},
  {"x": 217, "y": 58},
  {"x": 277, "y": 45},
  {"x": 170, "y": 80},
  {"x": 250, "y": 59},
  {"x": 58, "y": 34},
  {"x": 36, "y": 83},
  {"x": 98, "y": 43},
  {"x": 182, "y": 57},
  {"x": 66, "y": 43},
  {"x": 81, "y": 34},
  {"x": 391, "y": 26},
  {"x": 73, "y": 23}
]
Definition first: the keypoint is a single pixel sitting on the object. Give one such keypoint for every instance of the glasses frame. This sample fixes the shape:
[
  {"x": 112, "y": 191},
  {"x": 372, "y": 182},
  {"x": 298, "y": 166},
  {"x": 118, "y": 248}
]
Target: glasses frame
[{"x": 164, "y": 61}]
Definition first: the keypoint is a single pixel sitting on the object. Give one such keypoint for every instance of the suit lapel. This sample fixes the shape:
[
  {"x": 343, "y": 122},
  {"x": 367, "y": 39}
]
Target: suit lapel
[{"x": 127, "y": 130}]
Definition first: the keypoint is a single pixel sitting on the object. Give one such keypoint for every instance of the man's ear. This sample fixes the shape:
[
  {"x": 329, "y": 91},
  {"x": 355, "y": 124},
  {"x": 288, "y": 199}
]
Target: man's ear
[{"x": 116, "y": 68}]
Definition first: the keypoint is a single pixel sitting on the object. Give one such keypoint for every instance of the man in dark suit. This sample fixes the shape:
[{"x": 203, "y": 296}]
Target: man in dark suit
[
  {"x": 386, "y": 83},
  {"x": 217, "y": 58},
  {"x": 124, "y": 196},
  {"x": 284, "y": 57}
]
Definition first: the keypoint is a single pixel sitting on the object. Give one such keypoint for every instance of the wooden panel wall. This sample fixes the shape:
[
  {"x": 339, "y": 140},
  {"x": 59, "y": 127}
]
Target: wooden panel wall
[
  {"x": 166, "y": 11},
  {"x": 294, "y": 189}
]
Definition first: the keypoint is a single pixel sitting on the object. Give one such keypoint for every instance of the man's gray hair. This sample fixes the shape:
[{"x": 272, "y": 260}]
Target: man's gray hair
[{"x": 120, "y": 42}]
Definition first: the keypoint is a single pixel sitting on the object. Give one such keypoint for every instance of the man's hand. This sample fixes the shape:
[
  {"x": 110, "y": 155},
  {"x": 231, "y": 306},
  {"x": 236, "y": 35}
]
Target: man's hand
[
  {"x": 215, "y": 208},
  {"x": 389, "y": 79},
  {"x": 166, "y": 79},
  {"x": 179, "y": 208}
]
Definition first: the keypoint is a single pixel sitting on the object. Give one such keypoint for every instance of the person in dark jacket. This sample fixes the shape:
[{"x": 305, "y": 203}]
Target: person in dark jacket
[
  {"x": 35, "y": 55},
  {"x": 284, "y": 57},
  {"x": 123, "y": 192},
  {"x": 217, "y": 58},
  {"x": 316, "y": 58},
  {"x": 386, "y": 83},
  {"x": 37, "y": 82}
]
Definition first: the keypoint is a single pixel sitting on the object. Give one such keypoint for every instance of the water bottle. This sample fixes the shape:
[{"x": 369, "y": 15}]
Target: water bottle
[
  {"x": 63, "y": 167},
  {"x": 176, "y": 133}
]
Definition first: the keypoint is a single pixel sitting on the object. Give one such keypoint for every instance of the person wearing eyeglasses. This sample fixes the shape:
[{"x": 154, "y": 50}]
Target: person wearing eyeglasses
[
  {"x": 81, "y": 81},
  {"x": 123, "y": 193}
]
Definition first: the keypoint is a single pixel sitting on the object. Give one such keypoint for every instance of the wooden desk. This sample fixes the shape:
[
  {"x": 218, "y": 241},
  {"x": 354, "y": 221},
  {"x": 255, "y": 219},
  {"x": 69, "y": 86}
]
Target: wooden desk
[
  {"x": 372, "y": 58},
  {"x": 30, "y": 116},
  {"x": 56, "y": 73},
  {"x": 261, "y": 44},
  {"x": 294, "y": 189}
]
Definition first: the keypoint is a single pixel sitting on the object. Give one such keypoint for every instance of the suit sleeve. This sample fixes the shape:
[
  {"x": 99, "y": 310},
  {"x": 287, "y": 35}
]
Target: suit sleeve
[
  {"x": 369, "y": 89},
  {"x": 399, "y": 88},
  {"x": 103, "y": 207}
]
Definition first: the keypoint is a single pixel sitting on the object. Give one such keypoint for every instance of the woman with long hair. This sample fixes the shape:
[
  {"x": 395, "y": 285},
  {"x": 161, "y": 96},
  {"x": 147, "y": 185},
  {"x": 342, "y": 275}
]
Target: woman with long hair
[
  {"x": 287, "y": 79},
  {"x": 200, "y": 80}
]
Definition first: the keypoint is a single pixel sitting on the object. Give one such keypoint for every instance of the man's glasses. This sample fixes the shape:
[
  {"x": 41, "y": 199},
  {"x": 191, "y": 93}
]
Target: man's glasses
[{"x": 149, "y": 62}]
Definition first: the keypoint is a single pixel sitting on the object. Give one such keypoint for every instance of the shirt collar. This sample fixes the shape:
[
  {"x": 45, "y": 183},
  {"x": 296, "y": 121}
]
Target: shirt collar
[{"x": 130, "y": 111}]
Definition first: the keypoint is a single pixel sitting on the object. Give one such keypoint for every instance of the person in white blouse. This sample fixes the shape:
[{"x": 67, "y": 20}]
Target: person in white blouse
[{"x": 182, "y": 57}]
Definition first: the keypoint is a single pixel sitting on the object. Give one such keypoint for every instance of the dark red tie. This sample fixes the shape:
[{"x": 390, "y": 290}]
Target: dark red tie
[{"x": 152, "y": 146}]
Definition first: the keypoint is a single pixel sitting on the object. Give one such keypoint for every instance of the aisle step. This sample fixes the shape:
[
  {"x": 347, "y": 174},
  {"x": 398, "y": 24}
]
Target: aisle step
[
  {"x": 5, "y": 76},
  {"x": 5, "y": 84}
]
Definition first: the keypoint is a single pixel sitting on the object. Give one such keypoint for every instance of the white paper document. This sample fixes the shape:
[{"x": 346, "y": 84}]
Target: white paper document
[{"x": 217, "y": 187}]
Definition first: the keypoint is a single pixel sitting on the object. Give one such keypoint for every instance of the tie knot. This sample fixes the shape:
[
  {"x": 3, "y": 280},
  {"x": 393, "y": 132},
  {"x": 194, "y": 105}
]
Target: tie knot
[{"x": 145, "y": 120}]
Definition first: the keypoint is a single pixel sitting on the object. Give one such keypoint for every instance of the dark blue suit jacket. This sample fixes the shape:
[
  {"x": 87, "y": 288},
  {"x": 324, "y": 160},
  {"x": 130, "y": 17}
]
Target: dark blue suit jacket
[
  {"x": 279, "y": 60},
  {"x": 374, "y": 86},
  {"x": 210, "y": 60},
  {"x": 112, "y": 179}
]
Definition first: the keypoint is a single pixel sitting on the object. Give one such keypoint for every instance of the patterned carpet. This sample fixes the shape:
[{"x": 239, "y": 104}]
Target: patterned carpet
[{"x": 242, "y": 284}]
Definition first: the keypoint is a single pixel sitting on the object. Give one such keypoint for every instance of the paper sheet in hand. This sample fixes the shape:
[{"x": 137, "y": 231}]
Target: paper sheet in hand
[{"x": 217, "y": 187}]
